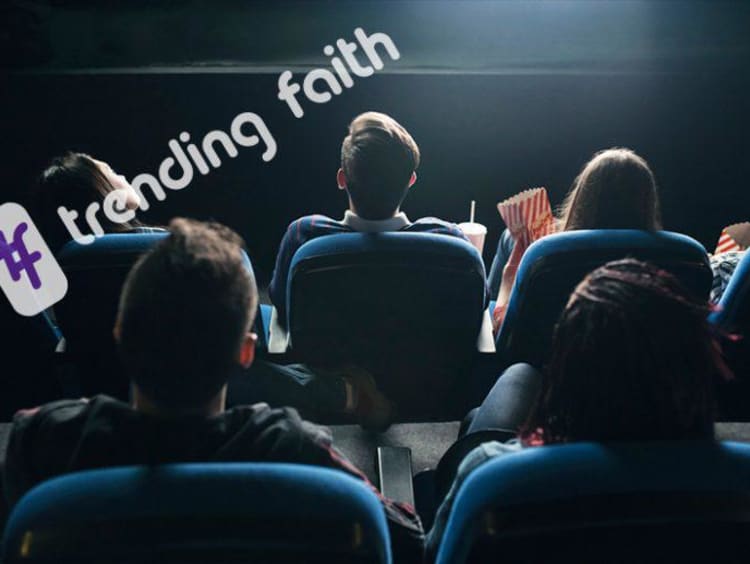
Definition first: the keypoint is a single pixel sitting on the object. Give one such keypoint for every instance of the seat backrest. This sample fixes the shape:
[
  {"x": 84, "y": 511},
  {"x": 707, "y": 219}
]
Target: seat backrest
[
  {"x": 219, "y": 512},
  {"x": 386, "y": 301},
  {"x": 649, "y": 502},
  {"x": 553, "y": 266}
]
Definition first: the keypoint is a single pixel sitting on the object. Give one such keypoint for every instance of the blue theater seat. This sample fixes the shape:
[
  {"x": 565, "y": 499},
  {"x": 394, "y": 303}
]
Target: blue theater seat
[
  {"x": 227, "y": 512},
  {"x": 682, "y": 501},
  {"x": 552, "y": 267},
  {"x": 404, "y": 305},
  {"x": 86, "y": 315}
]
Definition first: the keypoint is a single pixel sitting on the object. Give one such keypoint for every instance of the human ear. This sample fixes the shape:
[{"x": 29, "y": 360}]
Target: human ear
[
  {"x": 412, "y": 179},
  {"x": 247, "y": 350},
  {"x": 341, "y": 179}
]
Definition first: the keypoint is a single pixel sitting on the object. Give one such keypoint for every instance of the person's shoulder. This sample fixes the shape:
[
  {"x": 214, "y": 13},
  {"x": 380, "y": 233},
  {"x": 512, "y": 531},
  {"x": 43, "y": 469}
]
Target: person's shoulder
[
  {"x": 310, "y": 226},
  {"x": 487, "y": 451},
  {"x": 435, "y": 225},
  {"x": 426, "y": 222},
  {"x": 276, "y": 429},
  {"x": 60, "y": 421},
  {"x": 60, "y": 410},
  {"x": 314, "y": 220},
  {"x": 262, "y": 415}
]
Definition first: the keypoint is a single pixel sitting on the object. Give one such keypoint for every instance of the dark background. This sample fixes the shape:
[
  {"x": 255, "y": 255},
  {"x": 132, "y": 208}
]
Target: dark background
[{"x": 500, "y": 96}]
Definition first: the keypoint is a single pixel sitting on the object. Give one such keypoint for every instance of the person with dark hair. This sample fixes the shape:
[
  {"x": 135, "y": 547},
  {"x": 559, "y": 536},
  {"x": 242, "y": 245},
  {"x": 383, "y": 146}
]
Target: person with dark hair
[
  {"x": 632, "y": 359},
  {"x": 75, "y": 180},
  {"x": 379, "y": 160},
  {"x": 183, "y": 325},
  {"x": 223, "y": 300},
  {"x": 616, "y": 189}
]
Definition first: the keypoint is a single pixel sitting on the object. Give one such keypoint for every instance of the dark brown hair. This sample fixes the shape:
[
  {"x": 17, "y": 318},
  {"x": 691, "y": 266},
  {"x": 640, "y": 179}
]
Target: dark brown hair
[
  {"x": 184, "y": 311},
  {"x": 633, "y": 358},
  {"x": 378, "y": 158},
  {"x": 72, "y": 180},
  {"x": 615, "y": 190}
]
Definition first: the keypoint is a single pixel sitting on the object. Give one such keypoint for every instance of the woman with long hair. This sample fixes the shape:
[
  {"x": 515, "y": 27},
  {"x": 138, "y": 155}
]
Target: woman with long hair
[
  {"x": 75, "y": 180},
  {"x": 616, "y": 189}
]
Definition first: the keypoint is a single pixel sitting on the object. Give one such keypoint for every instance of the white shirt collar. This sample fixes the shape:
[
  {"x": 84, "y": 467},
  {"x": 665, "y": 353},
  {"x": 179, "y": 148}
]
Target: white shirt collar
[{"x": 398, "y": 221}]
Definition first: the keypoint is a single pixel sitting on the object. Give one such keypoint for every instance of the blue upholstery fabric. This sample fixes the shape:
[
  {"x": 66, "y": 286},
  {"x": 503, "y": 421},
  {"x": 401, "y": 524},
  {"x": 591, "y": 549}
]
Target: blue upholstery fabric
[
  {"x": 203, "y": 512},
  {"x": 590, "y": 493},
  {"x": 552, "y": 267},
  {"x": 365, "y": 260},
  {"x": 113, "y": 249},
  {"x": 390, "y": 302}
]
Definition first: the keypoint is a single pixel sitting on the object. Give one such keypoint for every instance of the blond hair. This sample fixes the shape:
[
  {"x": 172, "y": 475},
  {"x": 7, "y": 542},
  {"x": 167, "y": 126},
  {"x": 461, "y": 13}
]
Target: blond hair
[{"x": 378, "y": 157}]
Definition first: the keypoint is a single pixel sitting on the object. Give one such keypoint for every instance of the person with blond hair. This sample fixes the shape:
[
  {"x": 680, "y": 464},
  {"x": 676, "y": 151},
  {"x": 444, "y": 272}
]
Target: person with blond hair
[
  {"x": 379, "y": 159},
  {"x": 633, "y": 359}
]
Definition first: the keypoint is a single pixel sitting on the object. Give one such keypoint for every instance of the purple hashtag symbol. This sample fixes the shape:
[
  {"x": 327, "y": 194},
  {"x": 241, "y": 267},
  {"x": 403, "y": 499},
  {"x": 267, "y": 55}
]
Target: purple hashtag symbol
[{"x": 17, "y": 257}]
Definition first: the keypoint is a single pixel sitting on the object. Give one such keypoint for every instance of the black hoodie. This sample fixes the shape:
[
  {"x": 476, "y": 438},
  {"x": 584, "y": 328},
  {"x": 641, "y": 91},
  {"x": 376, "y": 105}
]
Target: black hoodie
[{"x": 70, "y": 435}]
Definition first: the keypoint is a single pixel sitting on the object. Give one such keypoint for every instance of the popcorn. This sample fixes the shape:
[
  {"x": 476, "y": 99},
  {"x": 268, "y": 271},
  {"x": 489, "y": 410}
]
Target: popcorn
[{"x": 528, "y": 216}]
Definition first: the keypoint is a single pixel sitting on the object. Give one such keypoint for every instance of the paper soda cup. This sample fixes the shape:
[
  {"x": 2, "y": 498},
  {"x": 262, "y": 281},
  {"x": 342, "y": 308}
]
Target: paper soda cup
[{"x": 475, "y": 232}]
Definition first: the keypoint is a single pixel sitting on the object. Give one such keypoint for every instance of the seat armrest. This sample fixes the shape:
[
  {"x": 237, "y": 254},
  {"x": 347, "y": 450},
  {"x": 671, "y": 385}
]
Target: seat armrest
[
  {"x": 486, "y": 340},
  {"x": 394, "y": 473},
  {"x": 262, "y": 324},
  {"x": 278, "y": 337}
]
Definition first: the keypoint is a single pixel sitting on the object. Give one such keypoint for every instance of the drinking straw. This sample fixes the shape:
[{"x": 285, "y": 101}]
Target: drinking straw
[{"x": 473, "y": 209}]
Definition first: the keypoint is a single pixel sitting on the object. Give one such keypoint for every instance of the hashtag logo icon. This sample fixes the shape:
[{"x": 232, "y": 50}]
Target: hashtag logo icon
[
  {"x": 17, "y": 257},
  {"x": 30, "y": 276}
]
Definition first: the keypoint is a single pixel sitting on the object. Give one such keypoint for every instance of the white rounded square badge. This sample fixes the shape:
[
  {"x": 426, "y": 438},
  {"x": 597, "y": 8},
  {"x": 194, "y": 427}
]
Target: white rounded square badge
[{"x": 30, "y": 276}]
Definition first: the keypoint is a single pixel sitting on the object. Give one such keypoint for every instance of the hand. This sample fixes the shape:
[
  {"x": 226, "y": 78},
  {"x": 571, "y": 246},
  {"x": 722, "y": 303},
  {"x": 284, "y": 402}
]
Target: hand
[{"x": 509, "y": 275}]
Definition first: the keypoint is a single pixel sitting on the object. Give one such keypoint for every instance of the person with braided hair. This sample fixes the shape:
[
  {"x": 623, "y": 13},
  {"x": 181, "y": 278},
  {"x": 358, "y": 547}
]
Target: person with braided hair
[{"x": 633, "y": 359}]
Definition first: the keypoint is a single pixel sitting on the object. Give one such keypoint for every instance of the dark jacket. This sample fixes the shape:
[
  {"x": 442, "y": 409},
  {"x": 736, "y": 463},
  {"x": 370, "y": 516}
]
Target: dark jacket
[{"x": 70, "y": 435}]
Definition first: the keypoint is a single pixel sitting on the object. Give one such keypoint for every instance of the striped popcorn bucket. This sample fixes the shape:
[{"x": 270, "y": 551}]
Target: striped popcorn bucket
[
  {"x": 528, "y": 216},
  {"x": 734, "y": 238}
]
